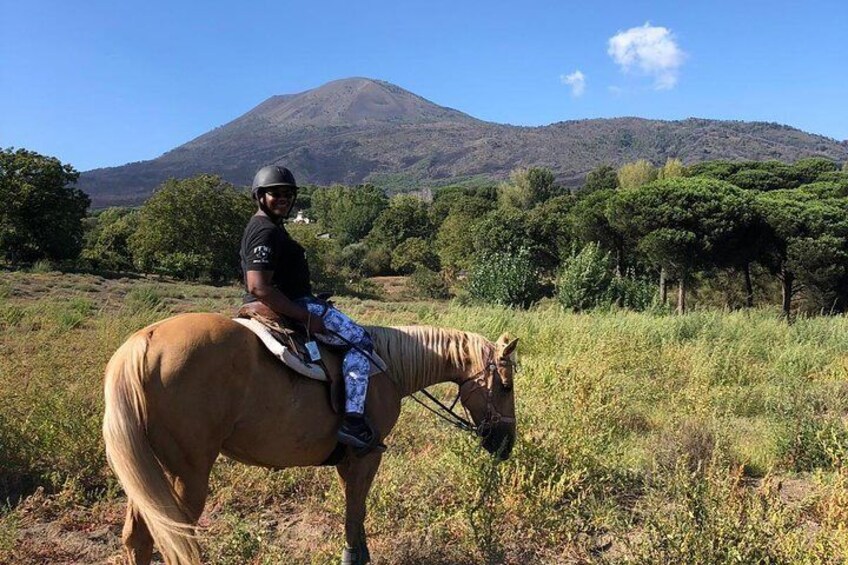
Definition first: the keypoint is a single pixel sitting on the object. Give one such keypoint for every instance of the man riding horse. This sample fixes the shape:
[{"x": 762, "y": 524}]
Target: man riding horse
[
  {"x": 276, "y": 274},
  {"x": 182, "y": 391}
]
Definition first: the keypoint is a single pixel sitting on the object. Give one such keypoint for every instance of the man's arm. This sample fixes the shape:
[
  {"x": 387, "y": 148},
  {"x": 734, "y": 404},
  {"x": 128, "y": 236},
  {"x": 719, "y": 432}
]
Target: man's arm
[{"x": 259, "y": 285}]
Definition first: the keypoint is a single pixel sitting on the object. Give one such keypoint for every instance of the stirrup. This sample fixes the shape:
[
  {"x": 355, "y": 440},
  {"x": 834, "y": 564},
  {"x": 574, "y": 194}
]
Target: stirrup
[{"x": 360, "y": 447}]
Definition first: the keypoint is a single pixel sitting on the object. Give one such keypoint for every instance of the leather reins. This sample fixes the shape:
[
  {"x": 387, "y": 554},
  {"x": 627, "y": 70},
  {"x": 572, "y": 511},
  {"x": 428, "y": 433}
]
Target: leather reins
[{"x": 477, "y": 383}]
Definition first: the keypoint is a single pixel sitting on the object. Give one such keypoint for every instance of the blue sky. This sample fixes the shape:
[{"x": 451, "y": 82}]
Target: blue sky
[{"x": 101, "y": 83}]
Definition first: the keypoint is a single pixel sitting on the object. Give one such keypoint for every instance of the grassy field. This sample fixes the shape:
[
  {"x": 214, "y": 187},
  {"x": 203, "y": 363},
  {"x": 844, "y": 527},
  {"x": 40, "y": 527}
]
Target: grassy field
[{"x": 716, "y": 437}]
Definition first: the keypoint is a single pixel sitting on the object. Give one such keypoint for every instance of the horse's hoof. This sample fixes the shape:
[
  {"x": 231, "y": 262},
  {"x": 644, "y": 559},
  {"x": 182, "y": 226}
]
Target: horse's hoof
[{"x": 353, "y": 556}]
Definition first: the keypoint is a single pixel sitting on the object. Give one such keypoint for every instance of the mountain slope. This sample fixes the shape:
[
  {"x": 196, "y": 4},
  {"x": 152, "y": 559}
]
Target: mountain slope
[{"x": 356, "y": 130}]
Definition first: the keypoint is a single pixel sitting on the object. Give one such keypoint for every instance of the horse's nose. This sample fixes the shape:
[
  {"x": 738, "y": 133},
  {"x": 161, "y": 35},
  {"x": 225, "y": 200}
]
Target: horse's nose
[{"x": 499, "y": 441}]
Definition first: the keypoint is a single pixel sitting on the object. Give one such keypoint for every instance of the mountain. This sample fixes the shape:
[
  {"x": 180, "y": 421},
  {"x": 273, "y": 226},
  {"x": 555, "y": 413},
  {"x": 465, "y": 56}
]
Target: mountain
[{"x": 361, "y": 130}]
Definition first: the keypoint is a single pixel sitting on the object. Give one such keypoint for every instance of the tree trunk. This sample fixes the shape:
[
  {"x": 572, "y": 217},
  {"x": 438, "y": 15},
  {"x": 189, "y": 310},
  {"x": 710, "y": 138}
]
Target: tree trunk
[
  {"x": 749, "y": 287},
  {"x": 681, "y": 296},
  {"x": 663, "y": 287},
  {"x": 619, "y": 259},
  {"x": 787, "y": 278}
]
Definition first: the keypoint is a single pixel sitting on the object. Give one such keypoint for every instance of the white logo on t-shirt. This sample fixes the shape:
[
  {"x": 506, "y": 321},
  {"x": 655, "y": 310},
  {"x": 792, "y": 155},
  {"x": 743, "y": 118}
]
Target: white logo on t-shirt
[{"x": 262, "y": 254}]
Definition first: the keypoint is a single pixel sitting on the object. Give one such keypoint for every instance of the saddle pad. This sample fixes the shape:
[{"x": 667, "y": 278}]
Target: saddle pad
[{"x": 293, "y": 361}]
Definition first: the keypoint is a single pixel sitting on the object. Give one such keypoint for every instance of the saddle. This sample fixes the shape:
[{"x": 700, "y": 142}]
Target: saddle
[{"x": 287, "y": 342}]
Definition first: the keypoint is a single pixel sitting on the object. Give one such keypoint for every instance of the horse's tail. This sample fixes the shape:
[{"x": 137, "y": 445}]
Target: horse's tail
[{"x": 133, "y": 460}]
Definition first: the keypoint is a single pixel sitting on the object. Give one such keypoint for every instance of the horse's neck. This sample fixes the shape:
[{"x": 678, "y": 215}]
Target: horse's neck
[{"x": 422, "y": 356}]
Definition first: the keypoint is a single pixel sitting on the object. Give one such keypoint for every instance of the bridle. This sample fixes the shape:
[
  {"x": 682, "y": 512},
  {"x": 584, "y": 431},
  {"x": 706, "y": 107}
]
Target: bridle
[{"x": 476, "y": 384}]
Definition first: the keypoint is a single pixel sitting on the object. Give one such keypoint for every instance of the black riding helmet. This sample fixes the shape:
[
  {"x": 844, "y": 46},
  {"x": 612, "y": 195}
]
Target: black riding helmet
[{"x": 271, "y": 176}]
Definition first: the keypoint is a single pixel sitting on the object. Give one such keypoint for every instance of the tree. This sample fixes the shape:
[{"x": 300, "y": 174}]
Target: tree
[
  {"x": 683, "y": 224},
  {"x": 543, "y": 185},
  {"x": 603, "y": 177},
  {"x": 192, "y": 228},
  {"x": 452, "y": 199},
  {"x": 405, "y": 217},
  {"x": 755, "y": 175},
  {"x": 718, "y": 169},
  {"x": 757, "y": 179},
  {"x": 822, "y": 267},
  {"x": 107, "y": 242},
  {"x": 506, "y": 277},
  {"x": 528, "y": 187},
  {"x": 636, "y": 174},
  {"x": 41, "y": 216},
  {"x": 515, "y": 193},
  {"x": 348, "y": 213},
  {"x": 811, "y": 169},
  {"x": 549, "y": 227},
  {"x": 454, "y": 240},
  {"x": 825, "y": 189},
  {"x": 502, "y": 231},
  {"x": 412, "y": 254},
  {"x": 672, "y": 169},
  {"x": 326, "y": 260},
  {"x": 590, "y": 224},
  {"x": 804, "y": 233}
]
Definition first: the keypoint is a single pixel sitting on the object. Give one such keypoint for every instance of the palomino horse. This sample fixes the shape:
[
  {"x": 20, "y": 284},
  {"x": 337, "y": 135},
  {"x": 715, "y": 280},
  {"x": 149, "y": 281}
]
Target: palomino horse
[{"x": 181, "y": 391}]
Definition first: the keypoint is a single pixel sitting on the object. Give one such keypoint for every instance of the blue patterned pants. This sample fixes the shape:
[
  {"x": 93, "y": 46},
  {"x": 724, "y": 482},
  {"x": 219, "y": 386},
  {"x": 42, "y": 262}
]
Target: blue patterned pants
[{"x": 355, "y": 365}]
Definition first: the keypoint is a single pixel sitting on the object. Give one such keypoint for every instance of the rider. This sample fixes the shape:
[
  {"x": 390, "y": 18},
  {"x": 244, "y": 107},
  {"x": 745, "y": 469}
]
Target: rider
[{"x": 277, "y": 274}]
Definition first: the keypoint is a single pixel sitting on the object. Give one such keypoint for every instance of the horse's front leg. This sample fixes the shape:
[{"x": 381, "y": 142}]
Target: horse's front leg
[{"x": 357, "y": 474}]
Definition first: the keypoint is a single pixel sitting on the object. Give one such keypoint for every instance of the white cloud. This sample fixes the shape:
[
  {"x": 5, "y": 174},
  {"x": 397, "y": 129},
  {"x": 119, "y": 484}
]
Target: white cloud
[
  {"x": 577, "y": 82},
  {"x": 649, "y": 50}
]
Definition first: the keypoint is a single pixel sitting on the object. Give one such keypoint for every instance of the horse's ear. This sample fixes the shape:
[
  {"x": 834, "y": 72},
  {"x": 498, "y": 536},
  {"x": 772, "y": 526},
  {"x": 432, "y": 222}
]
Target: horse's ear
[{"x": 509, "y": 348}]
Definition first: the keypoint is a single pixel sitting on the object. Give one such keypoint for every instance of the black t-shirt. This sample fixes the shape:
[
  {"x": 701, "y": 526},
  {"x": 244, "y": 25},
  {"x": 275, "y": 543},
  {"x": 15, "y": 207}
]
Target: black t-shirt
[{"x": 265, "y": 246}]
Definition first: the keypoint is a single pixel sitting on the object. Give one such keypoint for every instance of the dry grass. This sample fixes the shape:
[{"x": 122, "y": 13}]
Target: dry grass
[{"x": 714, "y": 437}]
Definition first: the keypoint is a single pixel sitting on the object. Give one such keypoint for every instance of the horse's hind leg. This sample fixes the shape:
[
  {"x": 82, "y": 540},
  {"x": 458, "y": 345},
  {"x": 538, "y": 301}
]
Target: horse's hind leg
[
  {"x": 138, "y": 543},
  {"x": 191, "y": 487}
]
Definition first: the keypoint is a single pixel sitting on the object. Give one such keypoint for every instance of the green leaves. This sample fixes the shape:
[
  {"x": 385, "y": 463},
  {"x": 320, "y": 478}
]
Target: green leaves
[
  {"x": 509, "y": 278},
  {"x": 192, "y": 228},
  {"x": 41, "y": 216},
  {"x": 683, "y": 223},
  {"x": 348, "y": 213}
]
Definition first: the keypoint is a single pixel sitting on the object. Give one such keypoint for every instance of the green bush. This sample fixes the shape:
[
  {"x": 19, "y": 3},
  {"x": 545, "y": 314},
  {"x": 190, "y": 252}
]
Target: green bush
[
  {"x": 586, "y": 281},
  {"x": 42, "y": 266},
  {"x": 509, "y": 279},
  {"x": 632, "y": 292},
  {"x": 412, "y": 254},
  {"x": 428, "y": 284}
]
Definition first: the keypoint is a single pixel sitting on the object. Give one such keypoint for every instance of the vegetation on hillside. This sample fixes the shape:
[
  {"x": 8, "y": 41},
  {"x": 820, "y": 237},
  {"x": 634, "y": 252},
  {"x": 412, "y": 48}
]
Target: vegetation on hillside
[{"x": 777, "y": 231}]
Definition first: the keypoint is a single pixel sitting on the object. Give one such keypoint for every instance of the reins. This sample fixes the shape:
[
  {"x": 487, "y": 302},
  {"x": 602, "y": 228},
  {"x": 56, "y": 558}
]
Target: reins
[
  {"x": 480, "y": 382},
  {"x": 452, "y": 418}
]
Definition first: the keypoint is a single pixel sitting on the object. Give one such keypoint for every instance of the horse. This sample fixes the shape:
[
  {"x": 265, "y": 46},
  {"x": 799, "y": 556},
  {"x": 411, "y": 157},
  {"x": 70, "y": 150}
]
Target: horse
[{"x": 183, "y": 390}]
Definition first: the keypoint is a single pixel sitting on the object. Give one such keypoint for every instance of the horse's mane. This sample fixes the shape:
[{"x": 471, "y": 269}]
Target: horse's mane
[{"x": 416, "y": 355}]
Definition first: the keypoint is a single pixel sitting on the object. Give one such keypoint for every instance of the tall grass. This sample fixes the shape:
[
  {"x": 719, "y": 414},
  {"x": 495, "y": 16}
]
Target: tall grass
[{"x": 642, "y": 438}]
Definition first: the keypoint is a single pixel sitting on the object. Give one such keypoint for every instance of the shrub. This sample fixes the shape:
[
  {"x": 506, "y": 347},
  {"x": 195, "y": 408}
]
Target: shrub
[
  {"x": 632, "y": 292},
  {"x": 509, "y": 279},
  {"x": 412, "y": 254},
  {"x": 428, "y": 284},
  {"x": 586, "y": 281},
  {"x": 42, "y": 266}
]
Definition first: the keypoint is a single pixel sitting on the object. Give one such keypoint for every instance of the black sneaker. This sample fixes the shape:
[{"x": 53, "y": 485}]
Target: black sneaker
[{"x": 357, "y": 433}]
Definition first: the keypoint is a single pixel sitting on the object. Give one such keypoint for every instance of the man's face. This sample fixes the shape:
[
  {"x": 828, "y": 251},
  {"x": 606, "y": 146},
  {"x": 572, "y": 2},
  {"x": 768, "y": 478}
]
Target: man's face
[{"x": 279, "y": 199}]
